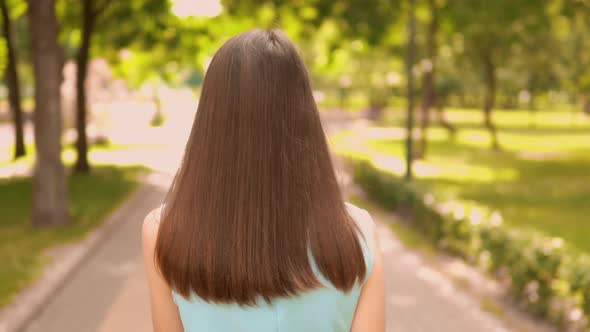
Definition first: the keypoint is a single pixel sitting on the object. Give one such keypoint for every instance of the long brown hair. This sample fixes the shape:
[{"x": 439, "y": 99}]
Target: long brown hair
[{"x": 256, "y": 198}]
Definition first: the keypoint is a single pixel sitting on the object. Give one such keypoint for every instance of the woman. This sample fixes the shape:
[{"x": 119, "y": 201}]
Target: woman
[{"x": 254, "y": 235}]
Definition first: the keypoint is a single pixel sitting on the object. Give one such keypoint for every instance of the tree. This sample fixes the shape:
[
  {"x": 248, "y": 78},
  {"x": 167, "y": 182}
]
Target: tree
[
  {"x": 532, "y": 72},
  {"x": 410, "y": 77},
  {"x": 94, "y": 21},
  {"x": 575, "y": 43},
  {"x": 366, "y": 19},
  {"x": 49, "y": 183},
  {"x": 428, "y": 80},
  {"x": 450, "y": 80},
  {"x": 12, "y": 81},
  {"x": 489, "y": 30},
  {"x": 90, "y": 13}
]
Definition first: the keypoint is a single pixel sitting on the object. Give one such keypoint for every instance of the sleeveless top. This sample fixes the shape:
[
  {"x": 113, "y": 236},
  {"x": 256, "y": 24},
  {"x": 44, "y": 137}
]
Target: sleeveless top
[{"x": 326, "y": 309}]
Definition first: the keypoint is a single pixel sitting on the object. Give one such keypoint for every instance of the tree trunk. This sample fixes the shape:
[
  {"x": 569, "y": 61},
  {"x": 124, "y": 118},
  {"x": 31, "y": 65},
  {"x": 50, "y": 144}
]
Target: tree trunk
[
  {"x": 532, "y": 118},
  {"x": 429, "y": 98},
  {"x": 341, "y": 97},
  {"x": 88, "y": 19},
  {"x": 376, "y": 105},
  {"x": 158, "y": 119},
  {"x": 532, "y": 106},
  {"x": 49, "y": 182},
  {"x": 532, "y": 100},
  {"x": 12, "y": 83},
  {"x": 440, "y": 109},
  {"x": 490, "y": 98},
  {"x": 375, "y": 112},
  {"x": 587, "y": 105},
  {"x": 508, "y": 101},
  {"x": 411, "y": 55},
  {"x": 462, "y": 100}
]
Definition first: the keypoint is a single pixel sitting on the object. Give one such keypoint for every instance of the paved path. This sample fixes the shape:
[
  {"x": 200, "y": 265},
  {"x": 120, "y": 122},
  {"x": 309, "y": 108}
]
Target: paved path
[{"x": 420, "y": 299}]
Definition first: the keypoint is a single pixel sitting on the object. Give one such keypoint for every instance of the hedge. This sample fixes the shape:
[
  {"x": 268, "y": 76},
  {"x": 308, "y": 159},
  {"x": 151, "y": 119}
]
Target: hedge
[{"x": 541, "y": 272}]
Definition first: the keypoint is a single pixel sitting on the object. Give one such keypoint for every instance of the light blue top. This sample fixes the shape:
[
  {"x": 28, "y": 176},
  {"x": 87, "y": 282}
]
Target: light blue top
[{"x": 326, "y": 309}]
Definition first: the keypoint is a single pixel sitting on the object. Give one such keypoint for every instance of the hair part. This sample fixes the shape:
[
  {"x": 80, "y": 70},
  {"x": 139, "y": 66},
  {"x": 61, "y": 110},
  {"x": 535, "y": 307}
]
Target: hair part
[{"x": 255, "y": 200}]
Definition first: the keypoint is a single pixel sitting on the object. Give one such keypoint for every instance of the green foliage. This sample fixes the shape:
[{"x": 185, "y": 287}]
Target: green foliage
[
  {"x": 579, "y": 274},
  {"x": 542, "y": 273},
  {"x": 16, "y": 9},
  {"x": 366, "y": 19},
  {"x": 142, "y": 39},
  {"x": 573, "y": 27},
  {"x": 493, "y": 26},
  {"x": 536, "y": 46}
]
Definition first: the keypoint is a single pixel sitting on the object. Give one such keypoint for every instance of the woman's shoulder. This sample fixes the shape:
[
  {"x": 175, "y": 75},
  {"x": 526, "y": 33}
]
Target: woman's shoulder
[
  {"x": 361, "y": 217},
  {"x": 150, "y": 225},
  {"x": 367, "y": 227}
]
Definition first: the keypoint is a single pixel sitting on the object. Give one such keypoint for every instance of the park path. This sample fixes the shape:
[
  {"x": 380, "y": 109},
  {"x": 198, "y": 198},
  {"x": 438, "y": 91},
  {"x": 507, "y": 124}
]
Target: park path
[{"x": 108, "y": 292}]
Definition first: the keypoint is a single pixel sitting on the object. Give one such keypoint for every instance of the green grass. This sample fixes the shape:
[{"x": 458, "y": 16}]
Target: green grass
[
  {"x": 68, "y": 152},
  {"x": 22, "y": 246},
  {"x": 539, "y": 180},
  {"x": 565, "y": 118}
]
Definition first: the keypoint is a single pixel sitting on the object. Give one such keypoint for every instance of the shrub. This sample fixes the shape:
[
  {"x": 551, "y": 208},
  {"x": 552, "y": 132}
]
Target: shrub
[{"x": 541, "y": 272}]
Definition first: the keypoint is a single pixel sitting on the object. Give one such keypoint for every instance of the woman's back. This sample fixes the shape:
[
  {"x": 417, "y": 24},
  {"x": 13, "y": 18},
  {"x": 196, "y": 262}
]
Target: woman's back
[
  {"x": 323, "y": 309},
  {"x": 254, "y": 235}
]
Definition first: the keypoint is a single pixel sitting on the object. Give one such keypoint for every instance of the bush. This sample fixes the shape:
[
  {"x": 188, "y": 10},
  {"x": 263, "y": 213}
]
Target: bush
[{"x": 540, "y": 271}]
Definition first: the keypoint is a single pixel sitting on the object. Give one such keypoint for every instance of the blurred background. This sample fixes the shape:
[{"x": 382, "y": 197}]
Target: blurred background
[{"x": 463, "y": 126}]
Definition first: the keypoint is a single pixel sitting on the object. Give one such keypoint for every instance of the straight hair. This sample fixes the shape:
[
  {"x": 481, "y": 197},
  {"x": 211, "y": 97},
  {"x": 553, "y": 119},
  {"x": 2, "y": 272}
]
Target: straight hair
[{"x": 255, "y": 202}]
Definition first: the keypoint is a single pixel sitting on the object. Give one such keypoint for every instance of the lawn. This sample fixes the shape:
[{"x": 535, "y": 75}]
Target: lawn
[
  {"x": 69, "y": 152},
  {"x": 22, "y": 246},
  {"x": 539, "y": 180},
  {"x": 563, "y": 118}
]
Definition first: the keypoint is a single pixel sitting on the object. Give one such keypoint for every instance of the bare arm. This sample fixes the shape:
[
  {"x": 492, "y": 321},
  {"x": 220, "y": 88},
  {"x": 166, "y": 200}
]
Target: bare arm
[
  {"x": 165, "y": 316},
  {"x": 370, "y": 310}
]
